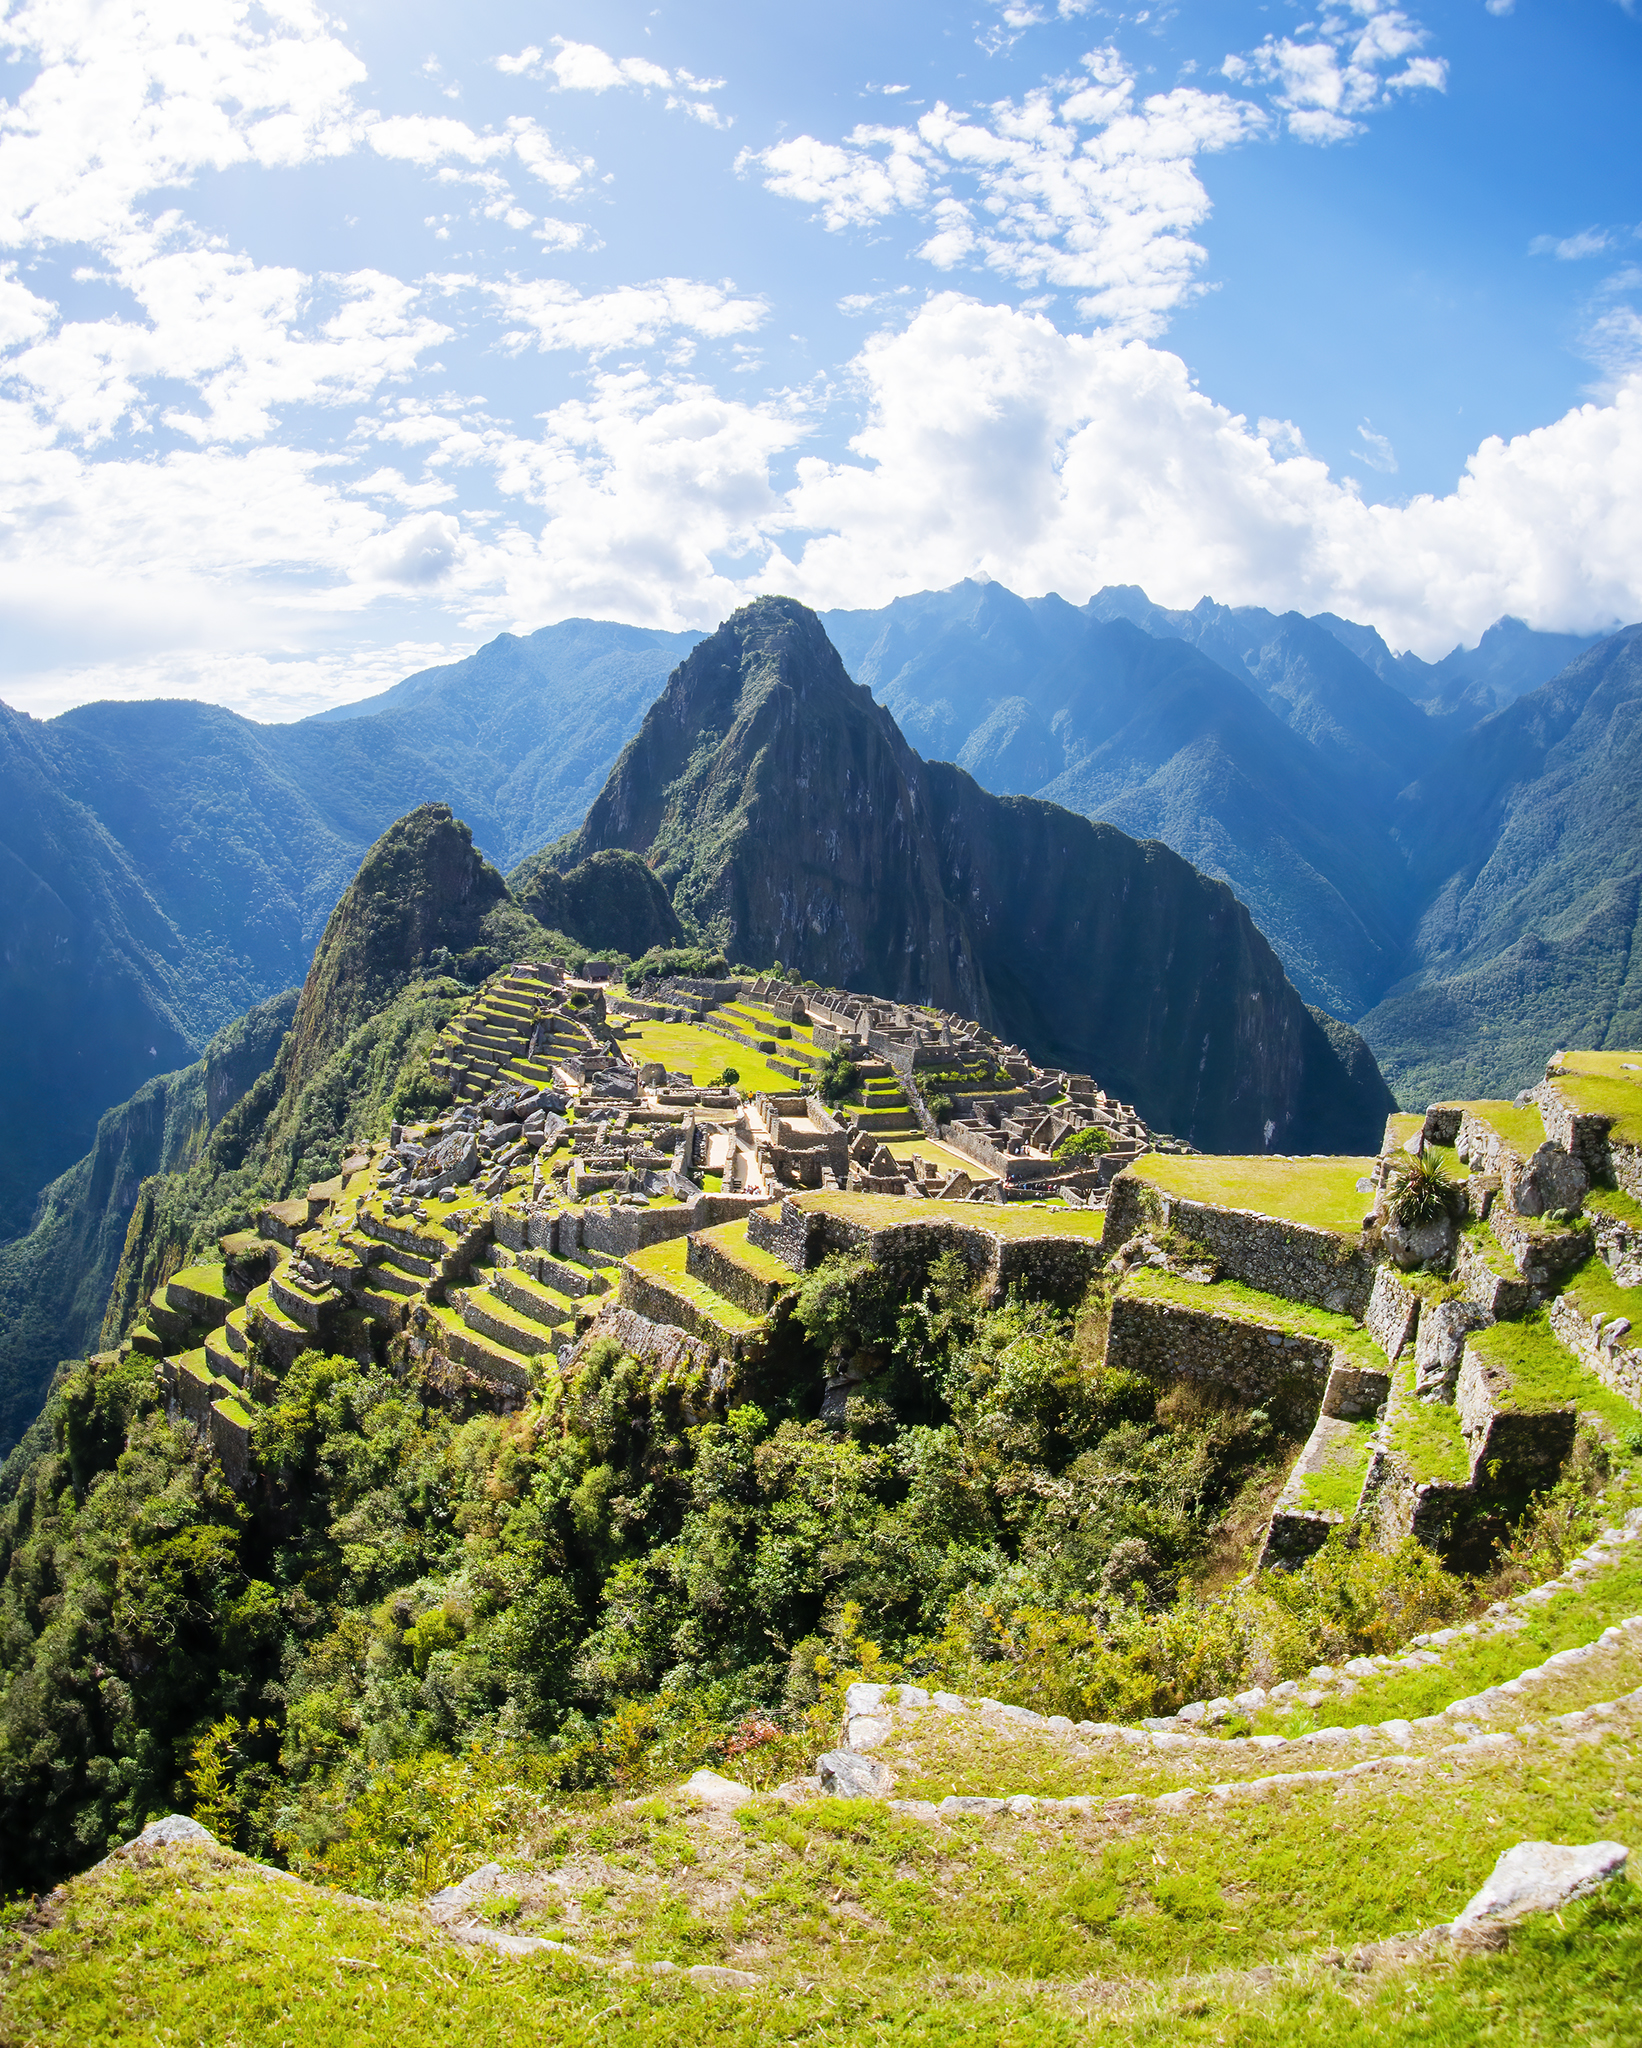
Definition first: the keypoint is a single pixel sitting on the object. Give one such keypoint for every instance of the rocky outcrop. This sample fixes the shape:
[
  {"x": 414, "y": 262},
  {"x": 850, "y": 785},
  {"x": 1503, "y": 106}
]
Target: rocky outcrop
[{"x": 791, "y": 821}]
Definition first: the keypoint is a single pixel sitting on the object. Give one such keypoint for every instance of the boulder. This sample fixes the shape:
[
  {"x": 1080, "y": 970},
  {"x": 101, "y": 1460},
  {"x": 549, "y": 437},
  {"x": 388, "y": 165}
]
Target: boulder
[
  {"x": 844, "y": 1775},
  {"x": 707, "y": 1788},
  {"x": 1552, "y": 1179},
  {"x": 1538, "y": 1877},
  {"x": 1421, "y": 1244},
  {"x": 1440, "y": 1346}
]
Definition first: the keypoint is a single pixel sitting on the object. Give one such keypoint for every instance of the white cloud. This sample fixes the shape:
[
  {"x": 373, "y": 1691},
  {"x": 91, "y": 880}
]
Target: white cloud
[
  {"x": 1570, "y": 248},
  {"x": 1376, "y": 451},
  {"x": 584, "y": 67},
  {"x": 418, "y": 552},
  {"x": 1063, "y": 462},
  {"x": 142, "y": 98},
  {"x": 245, "y": 340},
  {"x": 1080, "y": 189},
  {"x": 1326, "y": 87},
  {"x": 555, "y": 315}
]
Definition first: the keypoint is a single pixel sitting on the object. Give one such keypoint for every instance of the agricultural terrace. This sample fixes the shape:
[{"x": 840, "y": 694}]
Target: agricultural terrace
[
  {"x": 1320, "y": 1192},
  {"x": 1605, "y": 1084}
]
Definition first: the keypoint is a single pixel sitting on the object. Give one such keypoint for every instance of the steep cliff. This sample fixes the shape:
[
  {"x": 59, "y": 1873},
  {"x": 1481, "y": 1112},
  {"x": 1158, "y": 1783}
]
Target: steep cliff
[
  {"x": 54, "y": 1282},
  {"x": 790, "y": 820}
]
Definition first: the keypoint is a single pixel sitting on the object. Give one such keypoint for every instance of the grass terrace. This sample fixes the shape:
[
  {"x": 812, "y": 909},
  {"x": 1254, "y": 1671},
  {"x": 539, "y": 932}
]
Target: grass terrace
[
  {"x": 1334, "y": 1487},
  {"x": 1426, "y": 1435},
  {"x": 1544, "y": 1373},
  {"x": 1522, "y": 1129},
  {"x": 1320, "y": 1192},
  {"x": 939, "y": 1155},
  {"x": 703, "y": 1055},
  {"x": 1606, "y": 1084},
  {"x": 1011, "y": 1219},
  {"x": 664, "y": 1263},
  {"x": 1248, "y": 1305}
]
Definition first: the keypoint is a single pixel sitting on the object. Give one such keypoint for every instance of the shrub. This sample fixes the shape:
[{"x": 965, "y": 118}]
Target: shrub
[
  {"x": 1088, "y": 1143},
  {"x": 1421, "y": 1191},
  {"x": 838, "y": 1079}
]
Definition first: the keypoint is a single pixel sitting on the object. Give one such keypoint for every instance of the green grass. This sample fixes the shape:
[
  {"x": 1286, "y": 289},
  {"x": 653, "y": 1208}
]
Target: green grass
[
  {"x": 703, "y": 1055},
  {"x": 731, "y": 1239},
  {"x": 939, "y": 1155},
  {"x": 1616, "y": 1203},
  {"x": 862, "y": 1925},
  {"x": 1009, "y": 1219},
  {"x": 1404, "y": 1127},
  {"x": 1426, "y": 1435},
  {"x": 1592, "y": 1289},
  {"x": 1319, "y": 1192},
  {"x": 1571, "y": 1617},
  {"x": 665, "y": 1263},
  {"x": 1600, "y": 1084},
  {"x": 1336, "y": 1484},
  {"x": 1544, "y": 1372},
  {"x": 1522, "y": 1129},
  {"x": 1248, "y": 1305},
  {"x": 211, "y": 1280}
]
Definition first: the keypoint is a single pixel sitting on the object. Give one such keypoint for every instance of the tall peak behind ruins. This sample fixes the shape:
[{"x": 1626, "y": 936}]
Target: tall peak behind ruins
[{"x": 790, "y": 820}]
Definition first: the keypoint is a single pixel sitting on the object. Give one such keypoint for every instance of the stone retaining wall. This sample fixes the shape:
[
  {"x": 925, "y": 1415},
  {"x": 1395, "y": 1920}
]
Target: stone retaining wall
[
  {"x": 1496, "y": 1294},
  {"x": 1542, "y": 1257},
  {"x": 1618, "y": 1366},
  {"x": 659, "y": 1303},
  {"x": 1513, "y": 1449},
  {"x": 1325, "y": 1268},
  {"x": 1262, "y": 1365},
  {"x": 750, "y": 1291},
  {"x": 1393, "y": 1313}
]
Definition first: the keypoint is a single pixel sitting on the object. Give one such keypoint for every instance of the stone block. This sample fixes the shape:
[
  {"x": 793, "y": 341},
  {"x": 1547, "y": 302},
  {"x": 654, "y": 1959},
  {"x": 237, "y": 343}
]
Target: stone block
[
  {"x": 1393, "y": 1313},
  {"x": 1501, "y": 1297},
  {"x": 1551, "y": 1179},
  {"x": 1444, "y": 1327},
  {"x": 1539, "y": 1877},
  {"x": 1543, "y": 1256}
]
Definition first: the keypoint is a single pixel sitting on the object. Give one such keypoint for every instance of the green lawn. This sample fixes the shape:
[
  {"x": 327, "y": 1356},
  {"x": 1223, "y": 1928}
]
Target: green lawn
[
  {"x": 1545, "y": 1372},
  {"x": 1003, "y": 1219},
  {"x": 731, "y": 1240},
  {"x": 1426, "y": 1435},
  {"x": 703, "y": 1055},
  {"x": 1334, "y": 1487},
  {"x": 1321, "y": 1192},
  {"x": 665, "y": 1262}
]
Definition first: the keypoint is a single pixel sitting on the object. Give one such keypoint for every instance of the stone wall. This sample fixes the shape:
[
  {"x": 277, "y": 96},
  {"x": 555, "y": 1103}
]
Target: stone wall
[
  {"x": 1323, "y": 1267},
  {"x": 1261, "y": 1365},
  {"x": 1393, "y": 1313},
  {"x": 1576, "y": 1131},
  {"x": 787, "y": 1235},
  {"x": 1513, "y": 1450},
  {"x": 1542, "y": 1257},
  {"x": 748, "y": 1290},
  {"x": 1617, "y": 1365},
  {"x": 664, "y": 1345},
  {"x": 1496, "y": 1294},
  {"x": 660, "y": 1304}
]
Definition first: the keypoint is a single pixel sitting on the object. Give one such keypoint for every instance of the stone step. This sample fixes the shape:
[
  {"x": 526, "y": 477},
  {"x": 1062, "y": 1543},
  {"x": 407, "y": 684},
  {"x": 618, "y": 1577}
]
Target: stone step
[
  {"x": 299, "y": 1304},
  {"x": 392, "y": 1309},
  {"x": 225, "y": 1363},
  {"x": 539, "y": 1304},
  {"x": 505, "y": 1326},
  {"x": 389, "y": 1277}
]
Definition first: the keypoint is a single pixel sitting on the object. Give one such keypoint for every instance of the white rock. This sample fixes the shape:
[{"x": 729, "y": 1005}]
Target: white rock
[
  {"x": 175, "y": 1827},
  {"x": 863, "y": 1699},
  {"x": 707, "y": 1788},
  {"x": 1537, "y": 1877}
]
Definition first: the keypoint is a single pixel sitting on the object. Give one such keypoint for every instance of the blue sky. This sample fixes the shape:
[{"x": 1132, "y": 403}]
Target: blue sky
[{"x": 336, "y": 342}]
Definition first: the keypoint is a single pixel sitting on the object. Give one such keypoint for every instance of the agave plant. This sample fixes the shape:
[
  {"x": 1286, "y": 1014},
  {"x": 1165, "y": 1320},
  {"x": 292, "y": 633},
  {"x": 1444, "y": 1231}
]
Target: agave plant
[{"x": 1420, "y": 1192}]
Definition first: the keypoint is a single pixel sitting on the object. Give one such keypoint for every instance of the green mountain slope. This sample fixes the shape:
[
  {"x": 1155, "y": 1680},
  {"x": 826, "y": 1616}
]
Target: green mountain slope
[
  {"x": 55, "y": 1281},
  {"x": 1528, "y": 848},
  {"x": 791, "y": 821}
]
